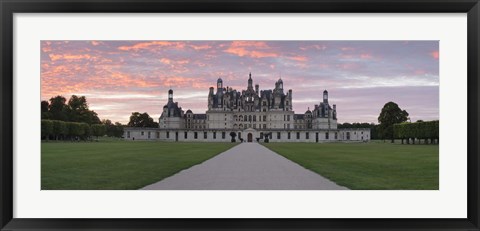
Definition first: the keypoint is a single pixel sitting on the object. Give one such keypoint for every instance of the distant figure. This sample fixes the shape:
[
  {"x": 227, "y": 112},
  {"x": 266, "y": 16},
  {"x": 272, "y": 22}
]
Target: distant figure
[
  {"x": 133, "y": 138},
  {"x": 241, "y": 140}
]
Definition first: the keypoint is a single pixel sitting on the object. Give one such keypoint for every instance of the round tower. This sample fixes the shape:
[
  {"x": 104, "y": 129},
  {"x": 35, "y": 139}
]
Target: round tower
[{"x": 325, "y": 97}]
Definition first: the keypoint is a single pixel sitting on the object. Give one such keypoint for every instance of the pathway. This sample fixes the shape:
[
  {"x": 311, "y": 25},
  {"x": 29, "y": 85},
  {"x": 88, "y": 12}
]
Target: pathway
[{"x": 247, "y": 166}]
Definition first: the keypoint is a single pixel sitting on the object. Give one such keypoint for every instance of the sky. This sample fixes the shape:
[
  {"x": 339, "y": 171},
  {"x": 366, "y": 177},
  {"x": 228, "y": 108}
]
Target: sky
[{"x": 121, "y": 77}]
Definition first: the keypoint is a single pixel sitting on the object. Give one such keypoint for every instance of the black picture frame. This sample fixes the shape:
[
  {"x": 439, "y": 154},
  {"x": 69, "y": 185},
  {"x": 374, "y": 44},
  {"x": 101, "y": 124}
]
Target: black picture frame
[{"x": 9, "y": 7}]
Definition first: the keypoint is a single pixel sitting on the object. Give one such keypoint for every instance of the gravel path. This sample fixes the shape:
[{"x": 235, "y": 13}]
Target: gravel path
[{"x": 247, "y": 166}]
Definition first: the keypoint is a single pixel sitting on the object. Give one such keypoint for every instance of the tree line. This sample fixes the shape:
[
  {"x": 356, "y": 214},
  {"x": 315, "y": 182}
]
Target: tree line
[
  {"x": 61, "y": 130},
  {"x": 73, "y": 120},
  {"x": 417, "y": 131}
]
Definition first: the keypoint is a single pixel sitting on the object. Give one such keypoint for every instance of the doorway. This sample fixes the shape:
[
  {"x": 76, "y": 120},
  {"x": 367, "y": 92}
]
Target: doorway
[{"x": 249, "y": 137}]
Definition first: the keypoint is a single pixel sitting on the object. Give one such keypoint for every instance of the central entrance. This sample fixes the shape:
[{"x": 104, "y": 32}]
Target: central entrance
[{"x": 249, "y": 137}]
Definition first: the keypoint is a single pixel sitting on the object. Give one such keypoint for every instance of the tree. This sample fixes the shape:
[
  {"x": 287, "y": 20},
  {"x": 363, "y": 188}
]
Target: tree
[
  {"x": 141, "y": 120},
  {"x": 78, "y": 111},
  {"x": 59, "y": 129},
  {"x": 391, "y": 114},
  {"x": 118, "y": 129},
  {"x": 44, "y": 110},
  {"x": 87, "y": 131},
  {"x": 75, "y": 130},
  {"x": 98, "y": 130},
  {"x": 47, "y": 128},
  {"x": 233, "y": 135},
  {"x": 58, "y": 108}
]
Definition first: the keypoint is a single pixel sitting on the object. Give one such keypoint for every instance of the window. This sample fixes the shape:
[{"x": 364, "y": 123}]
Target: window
[
  {"x": 214, "y": 135},
  {"x": 278, "y": 135},
  {"x": 128, "y": 134},
  {"x": 326, "y": 135},
  {"x": 264, "y": 118},
  {"x": 336, "y": 135},
  {"x": 307, "y": 136},
  {"x": 223, "y": 135},
  {"x": 158, "y": 135},
  {"x": 148, "y": 135},
  {"x": 185, "y": 135},
  {"x": 288, "y": 117},
  {"x": 289, "y": 135},
  {"x": 168, "y": 135},
  {"x": 254, "y": 118},
  {"x": 204, "y": 135},
  {"x": 254, "y": 125},
  {"x": 288, "y": 126},
  {"x": 362, "y": 133},
  {"x": 348, "y": 135},
  {"x": 142, "y": 133},
  {"x": 261, "y": 135},
  {"x": 195, "y": 135},
  {"x": 298, "y": 135},
  {"x": 264, "y": 126}
]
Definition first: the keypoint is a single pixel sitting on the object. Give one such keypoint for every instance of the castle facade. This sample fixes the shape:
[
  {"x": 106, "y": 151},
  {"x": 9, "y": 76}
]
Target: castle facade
[{"x": 250, "y": 115}]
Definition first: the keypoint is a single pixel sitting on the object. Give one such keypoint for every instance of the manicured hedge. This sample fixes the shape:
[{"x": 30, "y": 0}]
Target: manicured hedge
[
  {"x": 65, "y": 130},
  {"x": 419, "y": 130}
]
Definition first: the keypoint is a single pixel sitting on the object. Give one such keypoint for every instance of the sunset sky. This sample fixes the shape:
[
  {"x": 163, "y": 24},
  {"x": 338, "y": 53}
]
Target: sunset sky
[{"x": 121, "y": 77}]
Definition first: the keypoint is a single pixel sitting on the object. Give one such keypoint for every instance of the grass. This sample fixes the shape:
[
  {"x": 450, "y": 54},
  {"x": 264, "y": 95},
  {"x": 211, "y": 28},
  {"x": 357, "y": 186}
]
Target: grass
[
  {"x": 368, "y": 165},
  {"x": 118, "y": 164}
]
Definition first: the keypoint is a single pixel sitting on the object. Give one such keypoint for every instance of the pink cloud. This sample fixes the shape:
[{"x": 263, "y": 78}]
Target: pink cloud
[
  {"x": 435, "y": 54},
  {"x": 299, "y": 58},
  {"x": 200, "y": 47},
  {"x": 55, "y": 57},
  {"x": 149, "y": 45},
  {"x": 365, "y": 56},
  {"x": 251, "y": 49}
]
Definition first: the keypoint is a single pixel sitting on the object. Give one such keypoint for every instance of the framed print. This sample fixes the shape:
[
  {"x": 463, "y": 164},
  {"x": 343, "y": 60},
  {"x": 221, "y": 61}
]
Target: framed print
[{"x": 239, "y": 115}]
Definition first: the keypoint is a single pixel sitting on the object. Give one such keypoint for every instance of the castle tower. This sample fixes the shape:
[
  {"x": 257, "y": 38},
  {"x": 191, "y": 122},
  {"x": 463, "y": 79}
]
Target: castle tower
[
  {"x": 250, "y": 81},
  {"x": 325, "y": 97},
  {"x": 219, "y": 85},
  {"x": 170, "y": 95}
]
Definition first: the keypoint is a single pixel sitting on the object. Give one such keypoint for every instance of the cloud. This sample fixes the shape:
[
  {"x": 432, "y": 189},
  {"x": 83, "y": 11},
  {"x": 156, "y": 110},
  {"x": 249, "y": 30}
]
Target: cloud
[
  {"x": 435, "y": 54},
  {"x": 55, "y": 57},
  {"x": 251, "y": 49},
  {"x": 150, "y": 45}
]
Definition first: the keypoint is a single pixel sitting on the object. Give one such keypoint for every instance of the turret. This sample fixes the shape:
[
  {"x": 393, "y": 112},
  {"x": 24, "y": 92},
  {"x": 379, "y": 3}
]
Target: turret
[
  {"x": 219, "y": 84},
  {"x": 325, "y": 97},
  {"x": 256, "y": 88},
  {"x": 280, "y": 84},
  {"x": 250, "y": 81},
  {"x": 334, "y": 112},
  {"x": 170, "y": 95}
]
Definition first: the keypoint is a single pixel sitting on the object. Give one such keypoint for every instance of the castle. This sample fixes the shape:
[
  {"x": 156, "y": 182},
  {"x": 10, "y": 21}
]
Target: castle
[{"x": 253, "y": 115}]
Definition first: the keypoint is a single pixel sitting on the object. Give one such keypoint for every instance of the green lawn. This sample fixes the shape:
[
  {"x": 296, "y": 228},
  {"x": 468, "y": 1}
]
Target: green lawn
[
  {"x": 118, "y": 164},
  {"x": 367, "y": 165}
]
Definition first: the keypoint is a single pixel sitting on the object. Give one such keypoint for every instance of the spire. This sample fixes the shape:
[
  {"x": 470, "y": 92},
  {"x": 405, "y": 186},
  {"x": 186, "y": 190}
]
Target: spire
[
  {"x": 250, "y": 81},
  {"x": 170, "y": 95}
]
